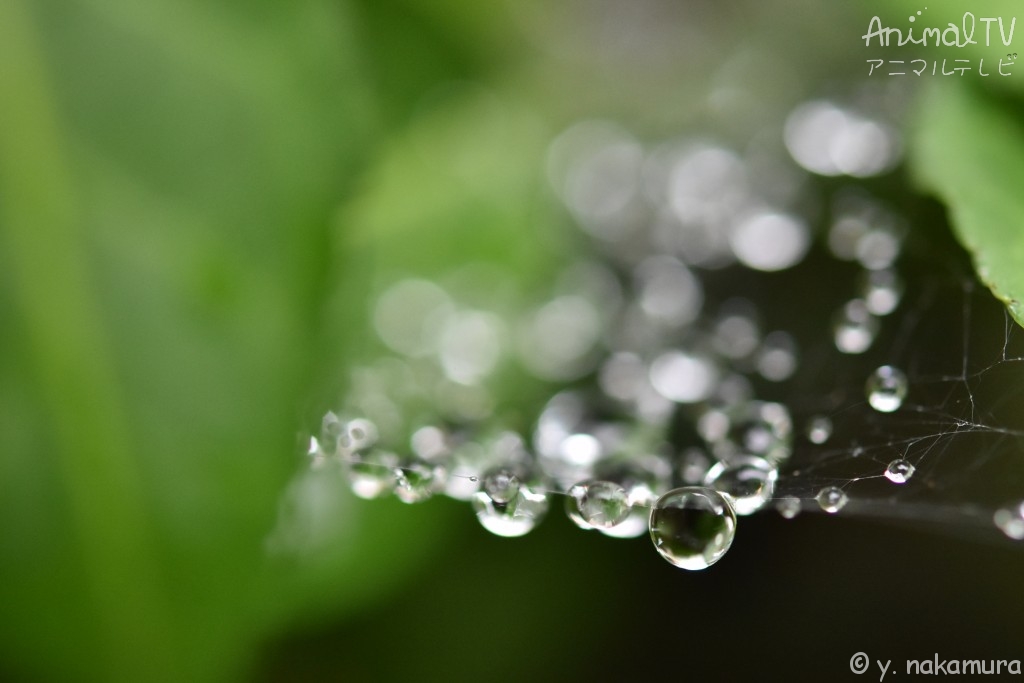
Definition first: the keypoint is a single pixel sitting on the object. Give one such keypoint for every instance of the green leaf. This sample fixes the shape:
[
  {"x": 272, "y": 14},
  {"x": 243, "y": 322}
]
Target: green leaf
[
  {"x": 169, "y": 173},
  {"x": 968, "y": 149}
]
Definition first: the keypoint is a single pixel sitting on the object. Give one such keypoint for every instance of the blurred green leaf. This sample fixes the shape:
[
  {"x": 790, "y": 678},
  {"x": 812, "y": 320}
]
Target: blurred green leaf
[
  {"x": 168, "y": 177},
  {"x": 968, "y": 148}
]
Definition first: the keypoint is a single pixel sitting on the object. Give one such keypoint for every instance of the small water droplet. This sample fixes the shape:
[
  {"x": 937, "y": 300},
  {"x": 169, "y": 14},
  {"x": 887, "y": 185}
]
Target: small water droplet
[
  {"x": 854, "y": 328},
  {"x": 899, "y": 471},
  {"x": 417, "y": 481},
  {"x": 831, "y": 499},
  {"x": 747, "y": 481},
  {"x": 501, "y": 485},
  {"x": 881, "y": 291},
  {"x": 886, "y": 388},
  {"x": 597, "y": 504},
  {"x": 789, "y": 507},
  {"x": 331, "y": 430},
  {"x": 1010, "y": 520},
  {"x": 693, "y": 465},
  {"x": 819, "y": 429},
  {"x": 517, "y": 517},
  {"x": 692, "y": 527},
  {"x": 759, "y": 428},
  {"x": 372, "y": 475}
]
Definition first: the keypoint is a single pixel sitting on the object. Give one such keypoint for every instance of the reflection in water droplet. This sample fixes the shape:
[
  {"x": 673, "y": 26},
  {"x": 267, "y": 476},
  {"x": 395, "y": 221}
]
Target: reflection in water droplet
[
  {"x": 501, "y": 485},
  {"x": 1010, "y": 520},
  {"x": 692, "y": 527},
  {"x": 748, "y": 482},
  {"x": 854, "y": 327},
  {"x": 886, "y": 388},
  {"x": 831, "y": 499},
  {"x": 515, "y": 518},
  {"x": 597, "y": 504},
  {"x": 899, "y": 471},
  {"x": 819, "y": 429},
  {"x": 788, "y": 507}
]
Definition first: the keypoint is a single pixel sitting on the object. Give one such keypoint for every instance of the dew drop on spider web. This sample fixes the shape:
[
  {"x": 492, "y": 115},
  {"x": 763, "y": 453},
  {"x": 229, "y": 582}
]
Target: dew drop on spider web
[
  {"x": 1010, "y": 520},
  {"x": 597, "y": 504},
  {"x": 819, "y": 429},
  {"x": 501, "y": 485},
  {"x": 886, "y": 388},
  {"x": 747, "y": 481},
  {"x": 517, "y": 517},
  {"x": 899, "y": 471},
  {"x": 788, "y": 507},
  {"x": 692, "y": 527},
  {"x": 831, "y": 499}
]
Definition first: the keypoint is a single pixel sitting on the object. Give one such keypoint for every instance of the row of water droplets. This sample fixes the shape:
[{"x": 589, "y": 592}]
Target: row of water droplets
[{"x": 632, "y": 323}]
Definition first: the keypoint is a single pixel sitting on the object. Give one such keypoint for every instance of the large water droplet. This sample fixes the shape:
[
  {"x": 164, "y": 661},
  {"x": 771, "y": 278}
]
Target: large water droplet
[
  {"x": 886, "y": 388},
  {"x": 517, "y": 517},
  {"x": 502, "y": 485},
  {"x": 831, "y": 499},
  {"x": 597, "y": 504},
  {"x": 692, "y": 527},
  {"x": 1010, "y": 520},
  {"x": 748, "y": 482},
  {"x": 899, "y": 471},
  {"x": 789, "y": 507},
  {"x": 819, "y": 429}
]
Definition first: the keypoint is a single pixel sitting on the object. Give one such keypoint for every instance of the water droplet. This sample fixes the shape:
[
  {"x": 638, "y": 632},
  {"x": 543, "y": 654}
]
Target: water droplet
[
  {"x": 881, "y": 291},
  {"x": 831, "y": 499},
  {"x": 748, "y": 482},
  {"x": 899, "y": 471},
  {"x": 331, "y": 430},
  {"x": 770, "y": 241},
  {"x": 789, "y": 507},
  {"x": 597, "y": 504},
  {"x": 358, "y": 434},
  {"x": 693, "y": 465},
  {"x": 819, "y": 429},
  {"x": 854, "y": 328},
  {"x": 886, "y": 388},
  {"x": 633, "y": 526},
  {"x": 517, "y": 517},
  {"x": 692, "y": 527},
  {"x": 501, "y": 485},
  {"x": 777, "y": 358},
  {"x": 1010, "y": 520},
  {"x": 372, "y": 475},
  {"x": 417, "y": 481},
  {"x": 759, "y": 428},
  {"x": 683, "y": 377}
]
